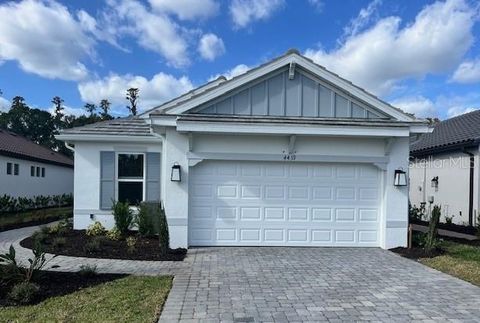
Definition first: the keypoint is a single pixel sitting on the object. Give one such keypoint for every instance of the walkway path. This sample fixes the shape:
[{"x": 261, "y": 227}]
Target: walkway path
[{"x": 65, "y": 263}]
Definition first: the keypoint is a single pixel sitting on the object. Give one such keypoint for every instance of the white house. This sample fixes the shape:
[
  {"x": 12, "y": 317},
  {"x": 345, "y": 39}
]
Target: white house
[
  {"x": 445, "y": 168},
  {"x": 28, "y": 169},
  {"x": 287, "y": 154}
]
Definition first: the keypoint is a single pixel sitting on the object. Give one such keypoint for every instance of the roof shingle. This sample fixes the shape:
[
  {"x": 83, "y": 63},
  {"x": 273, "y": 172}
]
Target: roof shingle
[
  {"x": 130, "y": 126},
  {"x": 463, "y": 129},
  {"x": 20, "y": 147}
]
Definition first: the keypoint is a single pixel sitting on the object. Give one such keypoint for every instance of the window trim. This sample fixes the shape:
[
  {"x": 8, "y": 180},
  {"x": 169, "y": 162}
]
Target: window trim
[
  {"x": 42, "y": 171},
  {"x": 16, "y": 169},
  {"x": 32, "y": 171},
  {"x": 135, "y": 180},
  {"x": 9, "y": 168}
]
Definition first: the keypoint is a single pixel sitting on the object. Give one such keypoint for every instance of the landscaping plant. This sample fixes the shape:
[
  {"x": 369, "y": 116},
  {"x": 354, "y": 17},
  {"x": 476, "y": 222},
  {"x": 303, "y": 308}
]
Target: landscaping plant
[
  {"x": 123, "y": 216},
  {"x": 131, "y": 244},
  {"x": 23, "y": 293},
  {"x": 88, "y": 270},
  {"x": 113, "y": 234},
  {"x": 96, "y": 229},
  {"x": 163, "y": 236},
  {"x": 145, "y": 219},
  {"x": 431, "y": 236}
]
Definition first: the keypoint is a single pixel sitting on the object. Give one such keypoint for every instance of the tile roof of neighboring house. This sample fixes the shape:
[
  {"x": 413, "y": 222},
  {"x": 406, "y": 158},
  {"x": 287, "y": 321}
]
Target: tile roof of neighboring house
[
  {"x": 461, "y": 130},
  {"x": 130, "y": 126},
  {"x": 20, "y": 147}
]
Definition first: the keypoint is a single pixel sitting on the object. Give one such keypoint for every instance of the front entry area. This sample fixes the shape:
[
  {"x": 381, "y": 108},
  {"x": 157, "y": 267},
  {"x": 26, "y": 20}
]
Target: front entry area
[{"x": 245, "y": 203}]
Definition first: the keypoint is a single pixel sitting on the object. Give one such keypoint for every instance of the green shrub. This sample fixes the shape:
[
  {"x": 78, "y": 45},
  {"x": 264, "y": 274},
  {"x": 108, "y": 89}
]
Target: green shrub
[
  {"x": 96, "y": 229},
  {"x": 416, "y": 213},
  {"x": 431, "y": 236},
  {"x": 40, "y": 238},
  {"x": 94, "y": 245},
  {"x": 88, "y": 270},
  {"x": 23, "y": 293},
  {"x": 113, "y": 234},
  {"x": 45, "y": 230},
  {"x": 61, "y": 227},
  {"x": 59, "y": 242},
  {"x": 9, "y": 204},
  {"x": 163, "y": 235},
  {"x": 449, "y": 219},
  {"x": 144, "y": 219},
  {"x": 131, "y": 244},
  {"x": 10, "y": 272},
  {"x": 123, "y": 216}
]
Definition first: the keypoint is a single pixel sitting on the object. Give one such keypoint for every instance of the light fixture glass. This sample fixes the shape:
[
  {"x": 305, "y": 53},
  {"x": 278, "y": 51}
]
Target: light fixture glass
[
  {"x": 400, "y": 178},
  {"x": 176, "y": 175}
]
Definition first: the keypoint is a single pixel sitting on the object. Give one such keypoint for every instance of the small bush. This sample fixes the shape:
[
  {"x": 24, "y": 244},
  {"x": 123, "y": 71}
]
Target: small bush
[
  {"x": 123, "y": 216},
  {"x": 95, "y": 244},
  {"x": 449, "y": 219},
  {"x": 163, "y": 235},
  {"x": 431, "y": 236},
  {"x": 96, "y": 229},
  {"x": 114, "y": 234},
  {"x": 23, "y": 293},
  {"x": 45, "y": 230},
  {"x": 416, "y": 213},
  {"x": 145, "y": 219},
  {"x": 61, "y": 227},
  {"x": 131, "y": 244},
  {"x": 88, "y": 270},
  {"x": 59, "y": 242},
  {"x": 40, "y": 238}
]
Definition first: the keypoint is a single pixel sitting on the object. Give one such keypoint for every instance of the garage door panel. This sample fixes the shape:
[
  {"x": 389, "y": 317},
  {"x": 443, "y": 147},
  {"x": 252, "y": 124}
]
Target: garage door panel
[{"x": 268, "y": 203}]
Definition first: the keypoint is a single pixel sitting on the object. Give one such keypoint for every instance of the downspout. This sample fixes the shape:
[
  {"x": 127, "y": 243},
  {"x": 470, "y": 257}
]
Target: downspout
[
  {"x": 69, "y": 146},
  {"x": 470, "y": 192}
]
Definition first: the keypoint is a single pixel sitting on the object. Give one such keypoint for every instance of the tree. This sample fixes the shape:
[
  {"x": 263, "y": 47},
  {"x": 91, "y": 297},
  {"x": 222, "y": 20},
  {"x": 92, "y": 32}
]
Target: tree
[
  {"x": 105, "y": 109},
  {"x": 90, "y": 108},
  {"x": 58, "y": 112},
  {"x": 132, "y": 97}
]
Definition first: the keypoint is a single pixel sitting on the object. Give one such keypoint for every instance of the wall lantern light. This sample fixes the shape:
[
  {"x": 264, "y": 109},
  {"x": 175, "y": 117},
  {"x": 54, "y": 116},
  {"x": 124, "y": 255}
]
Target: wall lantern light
[
  {"x": 435, "y": 182},
  {"x": 176, "y": 175},
  {"x": 400, "y": 178}
]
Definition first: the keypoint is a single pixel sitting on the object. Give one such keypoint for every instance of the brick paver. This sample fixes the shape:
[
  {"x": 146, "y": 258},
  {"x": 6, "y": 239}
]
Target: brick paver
[{"x": 273, "y": 284}]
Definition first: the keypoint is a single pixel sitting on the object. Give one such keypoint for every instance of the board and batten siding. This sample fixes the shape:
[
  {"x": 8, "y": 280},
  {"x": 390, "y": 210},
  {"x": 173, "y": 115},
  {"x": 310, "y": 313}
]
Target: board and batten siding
[{"x": 278, "y": 95}]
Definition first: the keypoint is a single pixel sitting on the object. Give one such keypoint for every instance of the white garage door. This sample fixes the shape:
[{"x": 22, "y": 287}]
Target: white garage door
[{"x": 283, "y": 204}]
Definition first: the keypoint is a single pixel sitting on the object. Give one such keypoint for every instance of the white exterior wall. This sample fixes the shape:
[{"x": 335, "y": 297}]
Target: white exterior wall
[
  {"x": 394, "y": 202},
  {"x": 453, "y": 171},
  {"x": 87, "y": 180},
  {"x": 58, "y": 180}
]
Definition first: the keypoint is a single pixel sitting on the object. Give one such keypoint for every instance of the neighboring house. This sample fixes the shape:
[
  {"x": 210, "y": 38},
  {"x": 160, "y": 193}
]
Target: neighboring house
[
  {"x": 445, "y": 166},
  {"x": 28, "y": 169},
  {"x": 287, "y": 154}
]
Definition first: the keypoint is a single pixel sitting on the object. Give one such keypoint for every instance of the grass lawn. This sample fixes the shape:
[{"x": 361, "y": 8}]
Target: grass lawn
[
  {"x": 129, "y": 299},
  {"x": 459, "y": 260},
  {"x": 17, "y": 220}
]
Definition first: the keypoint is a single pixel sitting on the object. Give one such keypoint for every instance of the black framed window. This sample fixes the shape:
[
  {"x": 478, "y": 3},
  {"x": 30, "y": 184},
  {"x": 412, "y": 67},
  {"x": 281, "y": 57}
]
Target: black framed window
[
  {"x": 43, "y": 171},
  {"x": 38, "y": 171},
  {"x": 9, "y": 168},
  {"x": 131, "y": 178},
  {"x": 16, "y": 169},
  {"x": 32, "y": 171}
]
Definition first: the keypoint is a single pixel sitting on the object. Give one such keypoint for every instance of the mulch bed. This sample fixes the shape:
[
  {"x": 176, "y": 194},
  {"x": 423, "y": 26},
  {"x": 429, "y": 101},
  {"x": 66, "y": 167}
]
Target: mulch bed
[
  {"x": 417, "y": 252},
  {"x": 449, "y": 226},
  {"x": 145, "y": 248},
  {"x": 53, "y": 284}
]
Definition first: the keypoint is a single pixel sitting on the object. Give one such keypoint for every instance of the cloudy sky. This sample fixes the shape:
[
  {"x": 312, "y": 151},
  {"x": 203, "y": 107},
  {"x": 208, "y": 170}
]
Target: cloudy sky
[{"x": 422, "y": 56}]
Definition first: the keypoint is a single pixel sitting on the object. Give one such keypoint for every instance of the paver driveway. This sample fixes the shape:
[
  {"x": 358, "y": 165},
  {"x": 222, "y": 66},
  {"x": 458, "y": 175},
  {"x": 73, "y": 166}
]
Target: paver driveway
[{"x": 315, "y": 284}]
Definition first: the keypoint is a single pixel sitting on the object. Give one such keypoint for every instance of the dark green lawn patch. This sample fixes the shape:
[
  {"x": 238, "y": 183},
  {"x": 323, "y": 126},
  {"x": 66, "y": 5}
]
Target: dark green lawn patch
[
  {"x": 127, "y": 299},
  {"x": 9, "y": 221}
]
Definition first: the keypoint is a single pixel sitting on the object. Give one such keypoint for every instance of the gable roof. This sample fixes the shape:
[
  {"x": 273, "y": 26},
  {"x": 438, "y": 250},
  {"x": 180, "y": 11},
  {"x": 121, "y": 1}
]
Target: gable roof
[
  {"x": 461, "y": 130},
  {"x": 17, "y": 146},
  {"x": 204, "y": 94}
]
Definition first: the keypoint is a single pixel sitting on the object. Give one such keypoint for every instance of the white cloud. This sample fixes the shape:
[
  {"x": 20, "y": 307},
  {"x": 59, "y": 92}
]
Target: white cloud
[
  {"x": 153, "y": 31},
  {"x": 211, "y": 46},
  {"x": 317, "y": 4},
  {"x": 4, "y": 104},
  {"x": 154, "y": 91},
  {"x": 456, "y": 111},
  {"x": 467, "y": 72},
  {"x": 45, "y": 39},
  {"x": 187, "y": 9},
  {"x": 420, "y": 106},
  {"x": 237, "y": 70},
  {"x": 243, "y": 12},
  {"x": 381, "y": 56},
  {"x": 363, "y": 19}
]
